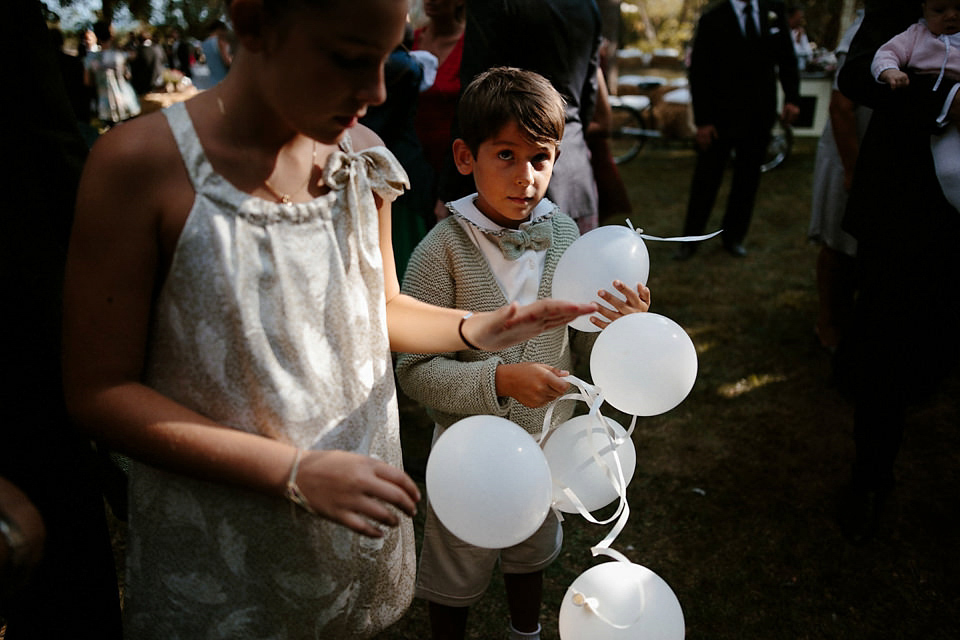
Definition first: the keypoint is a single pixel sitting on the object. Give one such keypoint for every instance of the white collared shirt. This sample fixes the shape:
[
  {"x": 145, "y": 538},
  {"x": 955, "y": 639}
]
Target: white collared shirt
[
  {"x": 738, "y": 6},
  {"x": 519, "y": 279}
]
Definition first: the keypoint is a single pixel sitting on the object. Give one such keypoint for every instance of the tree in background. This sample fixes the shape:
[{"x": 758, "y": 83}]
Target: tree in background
[{"x": 192, "y": 16}]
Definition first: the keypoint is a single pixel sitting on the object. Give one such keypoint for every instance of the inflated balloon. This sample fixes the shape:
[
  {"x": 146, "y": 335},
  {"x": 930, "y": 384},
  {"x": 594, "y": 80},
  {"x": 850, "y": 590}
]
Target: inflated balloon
[
  {"x": 570, "y": 458},
  {"x": 488, "y": 482},
  {"x": 644, "y": 363},
  {"x": 594, "y": 261},
  {"x": 620, "y": 601}
]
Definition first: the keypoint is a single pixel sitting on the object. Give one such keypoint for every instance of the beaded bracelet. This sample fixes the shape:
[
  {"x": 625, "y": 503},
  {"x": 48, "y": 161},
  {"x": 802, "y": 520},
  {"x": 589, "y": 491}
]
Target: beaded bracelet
[
  {"x": 292, "y": 490},
  {"x": 463, "y": 337}
]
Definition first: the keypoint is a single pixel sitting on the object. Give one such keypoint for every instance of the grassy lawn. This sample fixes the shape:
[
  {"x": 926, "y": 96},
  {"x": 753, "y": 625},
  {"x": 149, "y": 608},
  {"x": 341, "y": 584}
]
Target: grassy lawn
[{"x": 734, "y": 497}]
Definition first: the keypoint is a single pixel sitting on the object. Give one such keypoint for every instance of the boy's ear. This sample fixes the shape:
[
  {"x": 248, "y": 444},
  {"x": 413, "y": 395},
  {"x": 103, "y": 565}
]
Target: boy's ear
[
  {"x": 247, "y": 18},
  {"x": 462, "y": 157}
]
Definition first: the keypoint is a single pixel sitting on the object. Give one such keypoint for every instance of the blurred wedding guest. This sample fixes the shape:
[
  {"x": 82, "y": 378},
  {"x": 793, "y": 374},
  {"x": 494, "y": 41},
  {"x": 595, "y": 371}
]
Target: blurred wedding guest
[
  {"x": 87, "y": 43},
  {"x": 560, "y": 40},
  {"x": 217, "y": 55},
  {"x": 72, "y": 592},
  {"x": 740, "y": 51},
  {"x": 905, "y": 337},
  {"x": 393, "y": 121},
  {"x": 71, "y": 69},
  {"x": 179, "y": 52},
  {"x": 108, "y": 72},
  {"x": 797, "y": 20},
  {"x": 147, "y": 64},
  {"x": 612, "y": 198},
  {"x": 442, "y": 36},
  {"x": 832, "y": 176}
]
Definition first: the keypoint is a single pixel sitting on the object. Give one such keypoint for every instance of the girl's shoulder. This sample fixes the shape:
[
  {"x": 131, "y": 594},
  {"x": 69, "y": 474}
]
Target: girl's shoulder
[
  {"x": 363, "y": 137},
  {"x": 136, "y": 169},
  {"x": 144, "y": 144}
]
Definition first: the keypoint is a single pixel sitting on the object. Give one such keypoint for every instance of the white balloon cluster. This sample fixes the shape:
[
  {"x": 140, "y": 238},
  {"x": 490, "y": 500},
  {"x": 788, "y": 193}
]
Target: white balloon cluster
[{"x": 492, "y": 485}]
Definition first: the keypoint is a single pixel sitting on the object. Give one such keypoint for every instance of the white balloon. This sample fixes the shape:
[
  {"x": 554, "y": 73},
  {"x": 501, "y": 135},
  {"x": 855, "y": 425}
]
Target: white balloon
[
  {"x": 620, "y": 601},
  {"x": 594, "y": 261},
  {"x": 570, "y": 458},
  {"x": 644, "y": 363},
  {"x": 488, "y": 482}
]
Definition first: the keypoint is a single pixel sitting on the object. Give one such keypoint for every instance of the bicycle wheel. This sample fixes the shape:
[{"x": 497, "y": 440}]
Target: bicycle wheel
[
  {"x": 626, "y": 136},
  {"x": 781, "y": 142}
]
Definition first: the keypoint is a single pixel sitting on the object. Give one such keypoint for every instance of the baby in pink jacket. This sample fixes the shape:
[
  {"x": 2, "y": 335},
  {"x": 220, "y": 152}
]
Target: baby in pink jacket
[{"x": 932, "y": 45}]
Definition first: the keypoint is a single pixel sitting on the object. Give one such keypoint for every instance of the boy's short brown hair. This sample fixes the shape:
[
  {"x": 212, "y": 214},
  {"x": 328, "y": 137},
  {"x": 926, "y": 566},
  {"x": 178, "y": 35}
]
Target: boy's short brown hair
[{"x": 504, "y": 94}]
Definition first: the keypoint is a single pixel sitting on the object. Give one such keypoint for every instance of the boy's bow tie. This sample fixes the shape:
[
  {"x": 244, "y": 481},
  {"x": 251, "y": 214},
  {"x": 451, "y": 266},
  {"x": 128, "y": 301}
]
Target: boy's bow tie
[{"x": 535, "y": 235}]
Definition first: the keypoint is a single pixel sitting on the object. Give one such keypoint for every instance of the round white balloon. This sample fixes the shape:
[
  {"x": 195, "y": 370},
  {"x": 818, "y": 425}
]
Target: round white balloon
[
  {"x": 488, "y": 482},
  {"x": 569, "y": 455},
  {"x": 644, "y": 363},
  {"x": 620, "y": 601},
  {"x": 594, "y": 261}
]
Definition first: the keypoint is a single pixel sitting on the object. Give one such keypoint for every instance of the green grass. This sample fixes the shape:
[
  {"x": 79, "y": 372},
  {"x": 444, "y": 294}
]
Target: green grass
[{"x": 733, "y": 501}]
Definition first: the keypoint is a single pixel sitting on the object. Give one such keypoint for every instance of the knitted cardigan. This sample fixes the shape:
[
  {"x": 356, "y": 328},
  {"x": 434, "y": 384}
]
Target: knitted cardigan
[{"x": 448, "y": 270}]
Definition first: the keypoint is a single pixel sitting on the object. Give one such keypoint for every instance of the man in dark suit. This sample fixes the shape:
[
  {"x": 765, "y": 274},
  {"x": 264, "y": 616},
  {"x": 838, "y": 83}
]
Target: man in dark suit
[
  {"x": 907, "y": 319},
  {"x": 739, "y": 50},
  {"x": 560, "y": 40}
]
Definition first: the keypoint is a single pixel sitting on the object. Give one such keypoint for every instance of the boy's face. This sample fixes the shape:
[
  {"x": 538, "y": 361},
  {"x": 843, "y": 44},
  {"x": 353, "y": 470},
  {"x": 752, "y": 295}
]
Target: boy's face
[
  {"x": 511, "y": 174},
  {"x": 942, "y": 16}
]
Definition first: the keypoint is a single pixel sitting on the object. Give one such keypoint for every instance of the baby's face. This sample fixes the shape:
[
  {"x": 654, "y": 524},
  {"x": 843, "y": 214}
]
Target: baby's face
[{"x": 942, "y": 16}]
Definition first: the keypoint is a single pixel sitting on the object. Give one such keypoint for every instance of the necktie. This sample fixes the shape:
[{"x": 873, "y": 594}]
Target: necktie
[
  {"x": 749, "y": 26},
  {"x": 513, "y": 242}
]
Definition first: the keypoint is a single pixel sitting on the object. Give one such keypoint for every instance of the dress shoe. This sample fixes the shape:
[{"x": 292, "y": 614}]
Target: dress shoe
[
  {"x": 685, "y": 251},
  {"x": 735, "y": 249}
]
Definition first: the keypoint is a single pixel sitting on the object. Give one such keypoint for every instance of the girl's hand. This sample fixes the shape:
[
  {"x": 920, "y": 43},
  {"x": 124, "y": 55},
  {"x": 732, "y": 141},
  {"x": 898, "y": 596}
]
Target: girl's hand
[
  {"x": 635, "y": 302},
  {"x": 512, "y": 324},
  {"x": 355, "y": 490},
  {"x": 530, "y": 383}
]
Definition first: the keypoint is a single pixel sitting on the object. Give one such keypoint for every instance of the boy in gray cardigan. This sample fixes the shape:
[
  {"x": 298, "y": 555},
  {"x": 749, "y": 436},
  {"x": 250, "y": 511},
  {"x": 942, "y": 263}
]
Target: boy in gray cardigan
[{"x": 499, "y": 246}]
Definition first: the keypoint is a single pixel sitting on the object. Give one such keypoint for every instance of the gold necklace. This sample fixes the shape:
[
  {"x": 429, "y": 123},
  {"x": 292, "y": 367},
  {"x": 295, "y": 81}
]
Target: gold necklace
[{"x": 282, "y": 198}]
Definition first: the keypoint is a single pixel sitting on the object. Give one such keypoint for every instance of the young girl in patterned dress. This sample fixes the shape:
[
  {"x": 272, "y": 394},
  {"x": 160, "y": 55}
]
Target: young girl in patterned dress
[{"x": 230, "y": 308}]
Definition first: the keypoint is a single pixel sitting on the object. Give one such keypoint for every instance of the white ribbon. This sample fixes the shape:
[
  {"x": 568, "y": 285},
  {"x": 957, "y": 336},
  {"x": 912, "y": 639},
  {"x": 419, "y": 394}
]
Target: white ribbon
[
  {"x": 593, "y": 396},
  {"x": 674, "y": 238}
]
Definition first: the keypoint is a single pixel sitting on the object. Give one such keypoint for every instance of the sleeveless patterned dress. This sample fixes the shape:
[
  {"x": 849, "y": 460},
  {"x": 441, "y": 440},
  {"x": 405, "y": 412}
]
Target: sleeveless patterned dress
[{"x": 272, "y": 320}]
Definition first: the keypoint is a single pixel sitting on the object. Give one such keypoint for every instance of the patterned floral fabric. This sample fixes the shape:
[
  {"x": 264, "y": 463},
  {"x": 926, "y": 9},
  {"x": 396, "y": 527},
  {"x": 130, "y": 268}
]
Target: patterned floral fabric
[{"x": 272, "y": 320}]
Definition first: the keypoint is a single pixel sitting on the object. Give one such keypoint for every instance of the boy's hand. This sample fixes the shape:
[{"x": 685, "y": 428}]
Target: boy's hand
[
  {"x": 512, "y": 324},
  {"x": 356, "y": 491},
  {"x": 636, "y": 301},
  {"x": 530, "y": 383},
  {"x": 895, "y": 78}
]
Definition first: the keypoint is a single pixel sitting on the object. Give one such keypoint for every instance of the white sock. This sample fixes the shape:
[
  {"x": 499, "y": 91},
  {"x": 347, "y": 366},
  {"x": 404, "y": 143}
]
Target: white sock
[{"x": 524, "y": 635}]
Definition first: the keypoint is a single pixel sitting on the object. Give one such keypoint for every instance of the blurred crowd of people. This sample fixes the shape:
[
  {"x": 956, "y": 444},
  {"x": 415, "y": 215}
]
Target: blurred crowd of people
[{"x": 107, "y": 76}]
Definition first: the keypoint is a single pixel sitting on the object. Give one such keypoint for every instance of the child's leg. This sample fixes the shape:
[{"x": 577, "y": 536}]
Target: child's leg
[
  {"x": 522, "y": 567},
  {"x": 448, "y": 623},
  {"x": 524, "y": 595},
  {"x": 452, "y": 576}
]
